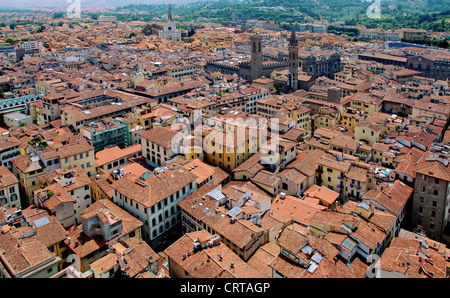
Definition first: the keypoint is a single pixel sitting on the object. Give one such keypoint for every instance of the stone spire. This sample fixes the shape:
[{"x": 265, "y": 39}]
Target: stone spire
[
  {"x": 169, "y": 16},
  {"x": 293, "y": 40}
]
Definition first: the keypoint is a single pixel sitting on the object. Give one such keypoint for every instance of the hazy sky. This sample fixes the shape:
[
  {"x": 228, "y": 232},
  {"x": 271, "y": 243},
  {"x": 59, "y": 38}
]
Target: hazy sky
[{"x": 66, "y": 3}]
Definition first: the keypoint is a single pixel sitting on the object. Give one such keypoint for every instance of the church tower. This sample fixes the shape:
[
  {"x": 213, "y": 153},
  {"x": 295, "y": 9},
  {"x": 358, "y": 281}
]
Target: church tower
[
  {"x": 293, "y": 60},
  {"x": 169, "y": 14},
  {"x": 170, "y": 30},
  {"x": 257, "y": 57}
]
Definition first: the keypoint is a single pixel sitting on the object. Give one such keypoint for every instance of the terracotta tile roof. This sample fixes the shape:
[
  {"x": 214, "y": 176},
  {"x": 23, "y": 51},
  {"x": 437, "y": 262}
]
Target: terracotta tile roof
[
  {"x": 299, "y": 210},
  {"x": 329, "y": 220},
  {"x": 108, "y": 155},
  {"x": 82, "y": 245},
  {"x": 31, "y": 252},
  {"x": 322, "y": 193},
  {"x": 24, "y": 164},
  {"x": 430, "y": 165},
  {"x": 266, "y": 178},
  {"x": 197, "y": 167},
  {"x": 306, "y": 161},
  {"x": 288, "y": 268},
  {"x": 408, "y": 257},
  {"x": 393, "y": 196},
  {"x": 439, "y": 247},
  {"x": 139, "y": 257},
  {"x": 49, "y": 234},
  {"x": 105, "y": 263},
  {"x": 292, "y": 175},
  {"x": 6, "y": 177},
  {"x": 251, "y": 165},
  {"x": 209, "y": 262},
  {"x": 59, "y": 196},
  {"x": 240, "y": 233},
  {"x": 162, "y": 136},
  {"x": 155, "y": 188},
  {"x": 331, "y": 163},
  {"x": 263, "y": 256},
  {"x": 8, "y": 142}
]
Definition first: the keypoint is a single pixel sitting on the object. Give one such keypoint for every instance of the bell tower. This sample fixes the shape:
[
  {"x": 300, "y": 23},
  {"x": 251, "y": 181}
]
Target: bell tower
[
  {"x": 257, "y": 57},
  {"x": 293, "y": 60}
]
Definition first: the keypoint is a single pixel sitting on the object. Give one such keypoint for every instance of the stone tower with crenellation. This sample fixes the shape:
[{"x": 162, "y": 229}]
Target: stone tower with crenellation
[
  {"x": 256, "y": 57},
  {"x": 293, "y": 60}
]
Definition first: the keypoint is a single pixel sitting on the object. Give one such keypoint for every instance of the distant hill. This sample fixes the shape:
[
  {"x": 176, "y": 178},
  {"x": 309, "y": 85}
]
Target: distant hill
[{"x": 433, "y": 15}]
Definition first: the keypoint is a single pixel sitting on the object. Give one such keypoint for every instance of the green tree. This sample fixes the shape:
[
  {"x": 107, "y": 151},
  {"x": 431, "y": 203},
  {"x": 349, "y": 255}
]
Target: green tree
[
  {"x": 40, "y": 29},
  {"x": 11, "y": 41},
  {"x": 58, "y": 15}
]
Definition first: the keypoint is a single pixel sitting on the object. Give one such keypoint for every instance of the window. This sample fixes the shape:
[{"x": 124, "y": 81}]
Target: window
[
  {"x": 420, "y": 210},
  {"x": 436, "y": 181},
  {"x": 433, "y": 213},
  {"x": 434, "y": 203},
  {"x": 436, "y": 192}
]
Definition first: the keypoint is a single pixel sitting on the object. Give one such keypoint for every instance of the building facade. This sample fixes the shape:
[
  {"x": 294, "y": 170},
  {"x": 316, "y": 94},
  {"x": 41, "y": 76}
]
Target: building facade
[{"x": 170, "y": 31}]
